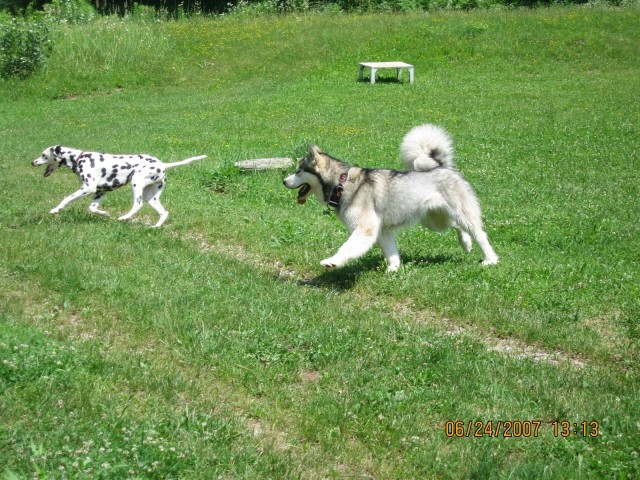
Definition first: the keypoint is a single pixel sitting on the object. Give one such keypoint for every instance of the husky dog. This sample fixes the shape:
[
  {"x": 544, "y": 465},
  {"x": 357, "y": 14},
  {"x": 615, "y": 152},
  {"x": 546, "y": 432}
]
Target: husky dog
[{"x": 373, "y": 203}]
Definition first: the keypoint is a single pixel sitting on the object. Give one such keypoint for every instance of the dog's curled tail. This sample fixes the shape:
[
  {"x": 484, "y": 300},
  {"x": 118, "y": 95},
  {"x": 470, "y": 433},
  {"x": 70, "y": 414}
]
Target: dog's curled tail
[
  {"x": 427, "y": 147},
  {"x": 184, "y": 162}
]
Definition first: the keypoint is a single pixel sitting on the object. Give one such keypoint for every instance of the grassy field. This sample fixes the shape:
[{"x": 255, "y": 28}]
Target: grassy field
[{"x": 217, "y": 347}]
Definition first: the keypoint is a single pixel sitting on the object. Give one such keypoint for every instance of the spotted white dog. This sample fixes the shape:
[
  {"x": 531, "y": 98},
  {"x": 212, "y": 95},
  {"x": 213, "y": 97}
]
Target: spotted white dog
[{"x": 101, "y": 173}]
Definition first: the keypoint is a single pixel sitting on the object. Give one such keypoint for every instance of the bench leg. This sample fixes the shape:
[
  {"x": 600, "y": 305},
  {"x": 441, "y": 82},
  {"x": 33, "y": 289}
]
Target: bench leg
[
  {"x": 360, "y": 70},
  {"x": 372, "y": 80},
  {"x": 411, "y": 75}
]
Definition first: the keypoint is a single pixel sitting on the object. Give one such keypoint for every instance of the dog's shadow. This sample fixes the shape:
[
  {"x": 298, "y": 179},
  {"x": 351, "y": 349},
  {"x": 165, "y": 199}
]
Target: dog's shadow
[
  {"x": 431, "y": 259},
  {"x": 345, "y": 278}
]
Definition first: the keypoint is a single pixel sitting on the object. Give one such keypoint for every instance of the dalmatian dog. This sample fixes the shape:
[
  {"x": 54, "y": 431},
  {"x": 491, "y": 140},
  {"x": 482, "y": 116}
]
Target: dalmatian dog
[{"x": 101, "y": 173}]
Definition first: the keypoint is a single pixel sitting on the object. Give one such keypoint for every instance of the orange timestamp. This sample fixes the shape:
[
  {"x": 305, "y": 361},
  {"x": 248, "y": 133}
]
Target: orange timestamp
[{"x": 518, "y": 428}]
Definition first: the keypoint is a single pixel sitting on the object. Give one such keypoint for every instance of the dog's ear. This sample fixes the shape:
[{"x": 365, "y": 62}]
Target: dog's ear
[
  {"x": 56, "y": 150},
  {"x": 314, "y": 154}
]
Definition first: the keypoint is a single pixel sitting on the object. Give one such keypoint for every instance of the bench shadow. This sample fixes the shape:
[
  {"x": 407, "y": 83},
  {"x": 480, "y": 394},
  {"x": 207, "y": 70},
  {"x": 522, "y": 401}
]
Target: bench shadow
[{"x": 387, "y": 80}]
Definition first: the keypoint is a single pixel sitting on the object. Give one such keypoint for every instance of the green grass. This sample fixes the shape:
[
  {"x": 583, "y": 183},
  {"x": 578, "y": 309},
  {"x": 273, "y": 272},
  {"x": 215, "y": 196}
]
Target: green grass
[{"x": 218, "y": 347}]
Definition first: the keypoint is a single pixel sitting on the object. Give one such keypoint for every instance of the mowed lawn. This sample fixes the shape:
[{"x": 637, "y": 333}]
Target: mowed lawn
[{"x": 217, "y": 347}]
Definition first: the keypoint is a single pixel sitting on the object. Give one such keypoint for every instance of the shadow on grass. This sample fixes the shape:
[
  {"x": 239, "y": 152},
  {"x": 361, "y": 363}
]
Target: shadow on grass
[
  {"x": 385, "y": 80},
  {"x": 345, "y": 278},
  {"x": 29, "y": 219},
  {"x": 425, "y": 261}
]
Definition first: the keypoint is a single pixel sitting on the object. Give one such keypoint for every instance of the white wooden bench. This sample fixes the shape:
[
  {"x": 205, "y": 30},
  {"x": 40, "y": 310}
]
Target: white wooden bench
[{"x": 375, "y": 66}]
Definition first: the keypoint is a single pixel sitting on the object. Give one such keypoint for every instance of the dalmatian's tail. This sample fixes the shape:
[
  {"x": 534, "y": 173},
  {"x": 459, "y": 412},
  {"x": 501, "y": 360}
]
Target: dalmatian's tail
[{"x": 184, "y": 162}]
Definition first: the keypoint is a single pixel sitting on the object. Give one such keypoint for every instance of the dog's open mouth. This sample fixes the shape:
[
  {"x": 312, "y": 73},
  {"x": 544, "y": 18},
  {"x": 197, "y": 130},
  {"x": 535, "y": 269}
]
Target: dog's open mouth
[{"x": 305, "y": 188}]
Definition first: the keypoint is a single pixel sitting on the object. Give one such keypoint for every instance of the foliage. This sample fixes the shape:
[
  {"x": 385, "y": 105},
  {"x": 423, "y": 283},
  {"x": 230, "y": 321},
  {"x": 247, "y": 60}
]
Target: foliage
[
  {"x": 179, "y": 8},
  {"x": 25, "y": 45},
  {"x": 69, "y": 11}
]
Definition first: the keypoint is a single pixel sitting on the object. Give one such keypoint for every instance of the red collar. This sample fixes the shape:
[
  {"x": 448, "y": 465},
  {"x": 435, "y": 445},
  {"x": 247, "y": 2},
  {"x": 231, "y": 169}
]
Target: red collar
[{"x": 334, "y": 200}]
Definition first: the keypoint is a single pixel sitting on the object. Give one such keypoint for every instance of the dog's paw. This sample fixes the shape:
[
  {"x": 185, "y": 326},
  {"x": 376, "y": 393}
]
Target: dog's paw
[
  {"x": 490, "y": 261},
  {"x": 123, "y": 218},
  {"x": 330, "y": 263},
  {"x": 54, "y": 211},
  {"x": 392, "y": 268},
  {"x": 100, "y": 212}
]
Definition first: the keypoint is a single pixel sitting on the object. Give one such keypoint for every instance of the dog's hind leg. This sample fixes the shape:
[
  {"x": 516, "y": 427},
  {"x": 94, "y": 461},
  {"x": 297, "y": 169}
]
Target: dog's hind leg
[
  {"x": 389, "y": 247},
  {"x": 83, "y": 192},
  {"x": 152, "y": 196},
  {"x": 137, "y": 203},
  {"x": 466, "y": 218},
  {"x": 472, "y": 228},
  {"x": 490, "y": 257},
  {"x": 465, "y": 239},
  {"x": 95, "y": 205}
]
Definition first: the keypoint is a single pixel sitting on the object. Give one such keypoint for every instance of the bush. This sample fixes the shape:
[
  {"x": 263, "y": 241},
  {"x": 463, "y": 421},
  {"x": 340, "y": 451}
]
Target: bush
[
  {"x": 24, "y": 47},
  {"x": 69, "y": 11}
]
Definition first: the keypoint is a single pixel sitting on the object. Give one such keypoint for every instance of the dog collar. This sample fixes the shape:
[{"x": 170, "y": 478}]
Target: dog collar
[{"x": 334, "y": 200}]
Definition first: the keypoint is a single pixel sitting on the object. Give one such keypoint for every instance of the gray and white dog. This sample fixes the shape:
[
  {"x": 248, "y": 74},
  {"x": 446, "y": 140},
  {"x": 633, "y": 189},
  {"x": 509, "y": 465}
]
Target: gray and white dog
[
  {"x": 100, "y": 173},
  {"x": 373, "y": 203}
]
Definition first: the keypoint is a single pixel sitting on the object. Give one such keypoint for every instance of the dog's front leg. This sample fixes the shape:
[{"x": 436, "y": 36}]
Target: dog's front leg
[
  {"x": 83, "y": 192},
  {"x": 359, "y": 243},
  {"x": 95, "y": 205}
]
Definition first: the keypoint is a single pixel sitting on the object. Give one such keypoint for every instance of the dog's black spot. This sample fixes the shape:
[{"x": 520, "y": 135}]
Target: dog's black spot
[
  {"x": 101, "y": 158},
  {"x": 305, "y": 168},
  {"x": 92, "y": 161},
  {"x": 104, "y": 172},
  {"x": 130, "y": 176},
  {"x": 158, "y": 170}
]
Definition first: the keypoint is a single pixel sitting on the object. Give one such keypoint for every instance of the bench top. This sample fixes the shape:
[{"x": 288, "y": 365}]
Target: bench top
[{"x": 386, "y": 64}]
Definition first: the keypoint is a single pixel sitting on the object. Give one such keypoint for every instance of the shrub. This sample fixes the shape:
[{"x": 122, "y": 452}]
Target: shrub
[
  {"x": 24, "y": 47},
  {"x": 69, "y": 11}
]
